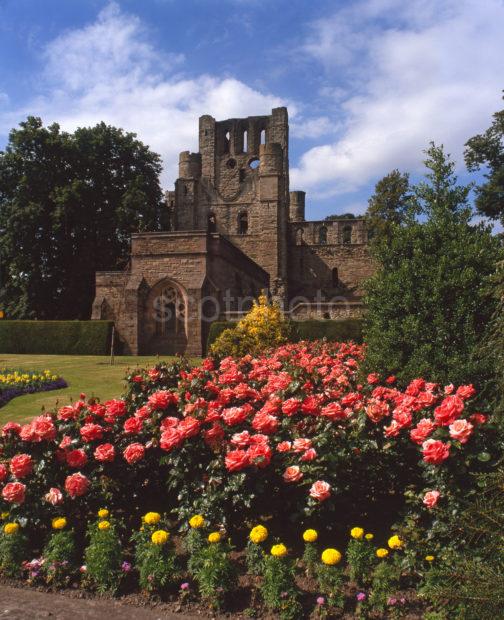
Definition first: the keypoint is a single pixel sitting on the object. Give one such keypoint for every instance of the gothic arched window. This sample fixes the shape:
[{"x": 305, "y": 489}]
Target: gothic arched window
[
  {"x": 299, "y": 236},
  {"x": 243, "y": 223}
]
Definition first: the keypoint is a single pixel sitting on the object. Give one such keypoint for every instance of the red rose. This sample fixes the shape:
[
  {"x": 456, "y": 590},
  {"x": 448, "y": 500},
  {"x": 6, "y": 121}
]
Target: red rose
[
  {"x": 391, "y": 380},
  {"x": 27, "y": 434},
  {"x": 241, "y": 440},
  {"x": 4, "y": 472},
  {"x": 284, "y": 446},
  {"x": 105, "y": 453},
  {"x": 76, "y": 458},
  {"x": 234, "y": 415},
  {"x": 265, "y": 423},
  {"x": 43, "y": 428},
  {"x": 291, "y": 406},
  {"x": 154, "y": 374},
  {"x": 259, "y": 454},
  {"x": 422, "y": 430},
  {"x": 373, "y": 378},
  {"x": 431, "y": 498},
  {"x": 236, "y": 460},
  {"x": 160, "y": 400},
  {"x": 54, "y": 496},
  {"x": 301, "y": 444},
  {"x": 134, "y": 453},
  {"x": 76, "y": 485},
  {"x": 170, "y": 439},
  {"x": 393, "y": 429},
  {"x": 461, "y": 430},
  {"x": 169, "y": 422},
  {"x": 21, "y": 465},
  {"x": 449, "y": 410},
  {"x": 11, "y": 427},
  {"x": 143, "y": 412},
  {"x": 68, "y": 412},
  {"x": 435, "y": 451},
  {"x": 466, "y": 391},
  {"x": 213, "y": 436},
  {"x": 189, "y": 427},
  {"x": 66, "y": 442},
  {"x": 333, "y": 411},
  {"x": 14, "y": 492},
  {"x": 376, "y": 410},
  {"x": 320, "y": 490},
  {"x": 310, "y": 405},
  {"x": 132, "y": 426},
  {"x": 309, "y": 455},
  {"x": 292, "y": 474},
  {"x": 91, "y": 432},
  {"x": 115, "y": 408},
  {"x": 478, "y": 418}
]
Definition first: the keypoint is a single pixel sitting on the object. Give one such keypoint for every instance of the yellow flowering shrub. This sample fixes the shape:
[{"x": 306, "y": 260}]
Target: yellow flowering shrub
[
  {"x": 330, "y": 557},
  {"x": 197, "y": 521},
  {"x": 160, "y": 537},
  {"x": 357, "y": 533},
  {"x": 382, "y": 553},
  {"x": 214, "y": 537},
  {"x": 59, "y": 523},
  {"x": 152, "y": 518},
  {"x": 262, "y": 328},
  {"x": 104, "y": 525},
  {"x": 103, "y": 513},
  {"x": 310, "y": 536},
  {"x": 258, "y": 534},
  {"x": 278, "y": 551}
]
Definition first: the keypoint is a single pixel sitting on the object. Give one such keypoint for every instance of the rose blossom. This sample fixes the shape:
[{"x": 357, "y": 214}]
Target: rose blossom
[
  {"x": 291, "y": 406},
  {"x": 133, "y": 426},
  {"x": 76, "y": 485},
  {"x": 333, "y": 411},
  {"x": 91, "y": 432},
  {"x": 11, "y": 427},
  {"x": 431, "y": 498},
  {"x": 105, "y": 453},
  {"x": 234, "y": 415},
  {"x": 320, "y": 490},
  {"x": 170, "y": 439},
  {"x": 189, "y": 427},
  {"x": 21, "y": 465},
  {"x": 292, "y": 474},
  {"x": 236, "y": 460},
  {"x": 4, "y": 472},
  {"x": 466, "y": 391},
  {"x": 449, "y": 410},
  {"x": 301, "y": 444},
  {"x": 309, "y": 455},
  {"x": 422, "y": 430},
  {"x": 43, "y": 427},
  {"x": 160, "y": 400},
  {"x": 134, "y": 453},
  {"x": 284, "y": 446},
  {"x": 14, "y": 492},
  {"x": 54, "y": 496},
  {"x": 461, "y": 430},
  {"x": 259, "y": 454},
  {"x": 435, "y": 451},
  {"x": 76, "y": 458}
]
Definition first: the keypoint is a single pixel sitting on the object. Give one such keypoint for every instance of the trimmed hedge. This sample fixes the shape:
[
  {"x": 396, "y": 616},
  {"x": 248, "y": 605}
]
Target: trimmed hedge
[
  {"x": 56, "y": 337},
  {"x": 333, "y": 330}
]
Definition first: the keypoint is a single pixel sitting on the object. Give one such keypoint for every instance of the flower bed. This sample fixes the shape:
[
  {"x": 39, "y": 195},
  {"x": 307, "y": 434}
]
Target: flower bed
[
  {"x": 18, "y": 382},
  {"x": 295, "y": 439}
]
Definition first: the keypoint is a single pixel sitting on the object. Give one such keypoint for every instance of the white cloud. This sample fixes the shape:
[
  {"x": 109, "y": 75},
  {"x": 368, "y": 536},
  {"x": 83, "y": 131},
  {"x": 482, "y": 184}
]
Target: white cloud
[
  {"x": 109, "y": 71},
  {"x": 413, "y": 72}
]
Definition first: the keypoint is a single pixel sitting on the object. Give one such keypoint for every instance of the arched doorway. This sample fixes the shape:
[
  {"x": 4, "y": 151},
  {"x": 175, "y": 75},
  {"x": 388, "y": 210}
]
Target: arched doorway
[{"x": 165, "y": 320}]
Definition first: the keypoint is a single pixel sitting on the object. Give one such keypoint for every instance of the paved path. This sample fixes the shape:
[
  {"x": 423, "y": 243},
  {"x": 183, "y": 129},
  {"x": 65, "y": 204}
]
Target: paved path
[{"x": 27, "y": 604}]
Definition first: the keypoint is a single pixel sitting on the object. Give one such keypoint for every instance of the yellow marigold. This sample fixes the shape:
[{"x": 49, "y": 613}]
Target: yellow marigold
[
  {"x": 152, "y": 518},
  {"x": 258, "y": 534},
  {"x": 278, "y": 551},
  {"x": 430, "y": 558},
  {"x": 104, "y": 525},
  {"x": 59, "y": 523},
  {"x": 394, "y": 542},
  {"x": 160, "y": 537},
  {"x": 357, "y": 533},
  {"x": 331, "y": 557},
  {"x": 11, "y": 528},
  {"x": 197, "y": 521},
  {"x": 214, "y": 537},
  {"x": 103, "y": 513},
  {"x": 381, "y": 553},
  {"x": 369, "y": 536},
  {"x": 310, "y": 536},
  {"x": 4, "y": 515}
]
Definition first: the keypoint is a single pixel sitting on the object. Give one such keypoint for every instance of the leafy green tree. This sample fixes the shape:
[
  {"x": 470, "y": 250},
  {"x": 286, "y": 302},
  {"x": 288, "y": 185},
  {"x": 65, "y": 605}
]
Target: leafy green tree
[
  {"x": 429, "y": 302},
  {"x": 487, "y": 151},
  {"x": 391, "y": 205},
  {"x": 68, "y": 204}
]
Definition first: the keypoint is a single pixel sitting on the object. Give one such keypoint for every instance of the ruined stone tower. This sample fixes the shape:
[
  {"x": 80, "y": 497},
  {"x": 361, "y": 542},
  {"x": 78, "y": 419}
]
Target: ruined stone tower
[{"x": 234, "y": 229}]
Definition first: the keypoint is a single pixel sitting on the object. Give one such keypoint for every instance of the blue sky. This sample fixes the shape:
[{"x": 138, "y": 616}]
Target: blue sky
[{"x": 368, "y": 84}]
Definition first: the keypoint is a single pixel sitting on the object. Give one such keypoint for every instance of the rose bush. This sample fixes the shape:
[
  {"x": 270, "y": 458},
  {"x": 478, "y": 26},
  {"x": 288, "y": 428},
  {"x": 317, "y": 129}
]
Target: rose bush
[{"x": 295, "y": 432}]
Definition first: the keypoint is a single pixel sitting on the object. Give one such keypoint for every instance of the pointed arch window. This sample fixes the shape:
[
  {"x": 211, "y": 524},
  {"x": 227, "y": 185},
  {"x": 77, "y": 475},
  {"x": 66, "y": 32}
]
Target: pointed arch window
[{"x": 243, "y": 223}]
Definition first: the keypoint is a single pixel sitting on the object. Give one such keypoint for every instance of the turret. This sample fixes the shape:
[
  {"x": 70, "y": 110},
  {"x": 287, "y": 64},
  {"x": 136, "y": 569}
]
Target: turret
[
  {"x": 270, "y": 158},
  {"x": 297, "y": 206},
  {"x": 189, "y": 165}
]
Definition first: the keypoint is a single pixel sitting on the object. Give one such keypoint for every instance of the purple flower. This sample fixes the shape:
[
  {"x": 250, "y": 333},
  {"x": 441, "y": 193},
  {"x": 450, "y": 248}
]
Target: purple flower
[
  {"x": 184, "y": 586},
  {"x": 361, "y": 596},
  {"x": 126, "y": 567},
  {"x": 320, "y": 600},
  {"x": 391, "y": 600}
]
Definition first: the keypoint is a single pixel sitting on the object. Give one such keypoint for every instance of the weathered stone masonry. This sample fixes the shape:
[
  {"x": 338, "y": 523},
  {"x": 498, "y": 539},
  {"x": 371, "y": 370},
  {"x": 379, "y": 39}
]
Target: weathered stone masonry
[{"x": 234, "y": 229}]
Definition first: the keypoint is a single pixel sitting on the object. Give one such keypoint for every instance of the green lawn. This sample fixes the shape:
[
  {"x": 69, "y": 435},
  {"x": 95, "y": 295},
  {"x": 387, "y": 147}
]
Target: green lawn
[{"x": 92, "y": 375}]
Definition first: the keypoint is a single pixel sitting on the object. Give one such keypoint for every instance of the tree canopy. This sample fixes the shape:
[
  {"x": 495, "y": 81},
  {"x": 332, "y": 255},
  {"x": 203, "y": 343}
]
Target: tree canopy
[
  {"x": 68, "y": 204},
  {"x": 429, "y": 303}
]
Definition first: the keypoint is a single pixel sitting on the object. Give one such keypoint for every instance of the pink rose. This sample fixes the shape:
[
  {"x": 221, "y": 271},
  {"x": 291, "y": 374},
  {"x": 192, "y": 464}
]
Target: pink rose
[
  {"x": 43, "y": 428},
  {"x": 134, "y": 453},
  {"x": 422, "y": 430},
  {"x": 76, "y": 485},
  {"x": 4, "y": 472},
  {"x": 76, "y": 458},
  {"x": 320, "y": 490},
  {"x": 161, "y": 399},
  {"x": 21, "y": 465},
  {"x": 236, "y": 460},
  {"x": 431, "y": 498},
  {"x": 91, "y": 432},
  {"x": 133, "y": 426},
  {"x": 449, "y": 410},
  {"x": 466, "y": 391},
  {"x": 301, "y": 444},
  {"x": 292, "y": 474},
  {"x": 54, "y": 496},
  {"x": 105, "y": 453},
  {"x": 284, "y": 446},
  {"x": 435, "y": 451},
  {"x": 309, "y": 455},
  {"x": 461, "y": 430},
  {"x": 170, "y": 439},
  {"x": 14, "y": 492}
]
